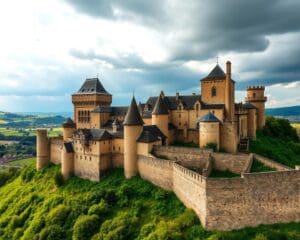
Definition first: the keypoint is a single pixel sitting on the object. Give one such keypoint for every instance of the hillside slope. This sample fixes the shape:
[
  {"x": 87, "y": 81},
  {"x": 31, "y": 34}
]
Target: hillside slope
[{"x": 33, "y": 206}]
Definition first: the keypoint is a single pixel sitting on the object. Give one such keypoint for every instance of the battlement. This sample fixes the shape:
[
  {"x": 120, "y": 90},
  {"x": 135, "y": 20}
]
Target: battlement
[{"x": 255, "y": 88}]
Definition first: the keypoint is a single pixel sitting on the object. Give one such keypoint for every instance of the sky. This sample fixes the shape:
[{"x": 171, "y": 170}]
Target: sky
[{"x": 48, "y": 48}]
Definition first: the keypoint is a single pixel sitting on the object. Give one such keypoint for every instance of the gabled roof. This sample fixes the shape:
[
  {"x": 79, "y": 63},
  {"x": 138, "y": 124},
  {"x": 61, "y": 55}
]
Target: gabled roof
[
  {"x": 133, "y": 116},
  {"x": 92, "y": 86},
  {"x": 160, "y": 107},
  {"x": 150, "y": 134},
  {"x": 114, "y": 110},
  {"x": 95, "y": 134},
  {"x": 248, "y": 105},
  {"x": 209, "y": 117},
  {"x": 216, "y": 73}
]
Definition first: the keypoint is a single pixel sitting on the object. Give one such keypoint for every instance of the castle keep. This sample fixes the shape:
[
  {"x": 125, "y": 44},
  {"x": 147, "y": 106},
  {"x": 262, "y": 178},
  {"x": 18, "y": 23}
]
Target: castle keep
[{"x": 139, "y": 139}]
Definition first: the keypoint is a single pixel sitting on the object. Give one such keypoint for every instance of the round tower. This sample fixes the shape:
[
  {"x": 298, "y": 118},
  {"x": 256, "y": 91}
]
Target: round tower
[
  {"x": 209, "y": 130},
  {"x": 67, "y": 160},
  {"x": 160, "y": 117},
  {"x": 256, "y": 96},
  {"x": 42, "y": 149},
  {"x": 68, "y": 128},
  {"x": 133, "y": 126}
]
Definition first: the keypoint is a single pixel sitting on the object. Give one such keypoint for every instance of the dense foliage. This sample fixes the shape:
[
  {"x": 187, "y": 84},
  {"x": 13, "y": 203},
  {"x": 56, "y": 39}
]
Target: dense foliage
[
  {"x": 33, "y": 207},
  {"x": 278, "y": 140}
]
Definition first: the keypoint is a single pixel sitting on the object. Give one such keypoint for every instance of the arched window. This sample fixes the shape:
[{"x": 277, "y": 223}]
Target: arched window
[
  {"x": 213, "y": 91},
  {"x": 197, "y": 107}
]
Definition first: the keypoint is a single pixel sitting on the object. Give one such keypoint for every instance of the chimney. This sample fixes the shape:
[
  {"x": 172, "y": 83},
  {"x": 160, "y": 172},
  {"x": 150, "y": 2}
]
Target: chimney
[{"x": 228, "y": 69}]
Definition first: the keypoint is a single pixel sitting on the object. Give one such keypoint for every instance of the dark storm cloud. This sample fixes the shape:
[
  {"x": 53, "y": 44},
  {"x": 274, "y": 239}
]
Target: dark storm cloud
[
  {"x": 129, "y": 61},
  {"x": 199, "y": 30}
]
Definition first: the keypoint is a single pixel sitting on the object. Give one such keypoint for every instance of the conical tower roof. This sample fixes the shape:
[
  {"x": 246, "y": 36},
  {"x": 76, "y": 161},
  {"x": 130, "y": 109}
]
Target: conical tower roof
[
  {"x": 216, "y": 73},
  {"x": 68, "y": 123},
  {"x": 209, "y": 117},
  {"x": 160, "y": 107},
  {"x": 133, "y": 116}
]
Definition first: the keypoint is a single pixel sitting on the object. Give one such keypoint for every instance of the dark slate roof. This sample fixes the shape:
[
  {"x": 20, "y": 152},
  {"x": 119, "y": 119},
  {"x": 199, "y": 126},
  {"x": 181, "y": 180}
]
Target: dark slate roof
[
  {"x": 212, "y": 106},
  {"x": 248, "y": 105},
  {"x": 209, "y": 117},
  {"x": 187, "y": 101},
  {"x": 114, "y": 110},
  {"x": 160, "y": 107},
  {"x": 215, "y": 74},
  {"x": 69, "y": 123},
  {"x": 92, "y": 86},
  {"x": 95, "y": 134},
  {"x": 133, "y": 116},
  {"x": 147, "y": 114},
  {"x": 68, "y": 147},
  {"x": 172, "y": 102},
  {"x": 150, "y": 134}
]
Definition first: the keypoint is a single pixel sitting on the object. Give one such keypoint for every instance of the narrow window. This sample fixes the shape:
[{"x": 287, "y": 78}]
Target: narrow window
[{"x": 213, "y": 91}]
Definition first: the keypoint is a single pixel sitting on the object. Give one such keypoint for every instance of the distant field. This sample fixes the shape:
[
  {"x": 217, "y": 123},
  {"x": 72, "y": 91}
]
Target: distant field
[
  {"x": 297, "y": 126},
  {"x": 53, "y": 132},
  {"x": 22, "y": 162}
]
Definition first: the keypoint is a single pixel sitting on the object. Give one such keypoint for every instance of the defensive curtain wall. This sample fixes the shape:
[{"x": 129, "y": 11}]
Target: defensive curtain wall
[
  {"x": 226, "y": 203},
  {"x": 220, "y": 203}
]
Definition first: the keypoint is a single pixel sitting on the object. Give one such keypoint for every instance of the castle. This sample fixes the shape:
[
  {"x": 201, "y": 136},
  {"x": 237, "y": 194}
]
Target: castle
[{"x": 139, "y": 139}]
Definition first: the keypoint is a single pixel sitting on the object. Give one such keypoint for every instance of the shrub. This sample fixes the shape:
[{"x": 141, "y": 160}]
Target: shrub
[
  {"x": 52, "y": 232},
  {"x": 58, "y": 215},
  {"x": 85, "y": 227},
  {"x": 121, "y": 227},
  {"x": 58, "y": 179},
  {"x": 100, "y": 209},
  {"x": 280, "y": 128},
  {"x": 212, "y": 146}
]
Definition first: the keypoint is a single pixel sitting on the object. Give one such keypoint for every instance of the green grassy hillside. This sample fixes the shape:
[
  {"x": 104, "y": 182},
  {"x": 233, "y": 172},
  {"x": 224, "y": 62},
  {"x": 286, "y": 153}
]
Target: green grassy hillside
[
  {"x": 278, "y": 140},
  {"x": 38, "y": 205}
]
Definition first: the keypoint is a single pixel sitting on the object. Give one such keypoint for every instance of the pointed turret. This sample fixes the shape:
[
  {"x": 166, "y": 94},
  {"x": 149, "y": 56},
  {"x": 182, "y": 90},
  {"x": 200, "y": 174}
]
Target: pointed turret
[
  {"x": 133, "y": 126},
  {"x": 133, "y": 117},
  {"x": 160, "y": 107},
  {"x": 160, "y": 116}
]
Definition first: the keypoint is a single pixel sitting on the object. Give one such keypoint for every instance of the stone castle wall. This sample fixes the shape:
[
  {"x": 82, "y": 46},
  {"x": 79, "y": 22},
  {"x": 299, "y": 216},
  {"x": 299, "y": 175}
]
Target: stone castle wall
[
  {"x": 56, "y": 145},
  {"x": 233, "y": 162},
  {"x": 256, "y": 198},
  {"x": 190, "y": 157},
  {"x": 271, "y": 163},
  {"x": 158, "y": 171},
  {"x": 229, "y": 203},
  {"x": 190, "y": 188}
]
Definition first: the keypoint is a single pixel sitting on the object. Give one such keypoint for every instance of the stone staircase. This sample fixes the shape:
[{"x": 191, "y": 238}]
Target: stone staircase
[{"x": 244, "y": 145}]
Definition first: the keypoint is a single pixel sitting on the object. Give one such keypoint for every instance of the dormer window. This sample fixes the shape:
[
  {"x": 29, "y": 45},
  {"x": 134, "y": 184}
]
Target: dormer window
[{"x": 213, "y": 91}]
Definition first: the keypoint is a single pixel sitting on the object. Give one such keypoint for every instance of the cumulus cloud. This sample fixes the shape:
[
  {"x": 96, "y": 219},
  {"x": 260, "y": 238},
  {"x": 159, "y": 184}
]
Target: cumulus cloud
[{"x": 52, "y": 46}]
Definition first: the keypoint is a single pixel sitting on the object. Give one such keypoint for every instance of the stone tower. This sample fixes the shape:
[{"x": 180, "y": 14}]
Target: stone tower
[
  {"x": 256, "y": 96},
  {"x": 42, "y": 149},
  {"x": 229, "y": 94},
  {"x": 133, "y": 126},
  {"x": 90, "y": 95},
  {"x": 160, "y": 116},
  {"x": 209, "y": 130},
  {"x": 68, "y": 128},
  {"x": 67, "y": 160}
]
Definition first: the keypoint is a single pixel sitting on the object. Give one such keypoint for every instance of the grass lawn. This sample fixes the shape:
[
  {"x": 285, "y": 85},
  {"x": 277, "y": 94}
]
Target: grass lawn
[
  {"x": 52, "y": 132},
  {"x": 259, "y": 167},
  {"x": 185, "y": 144},
  {"x": 222, "y": 174}
]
